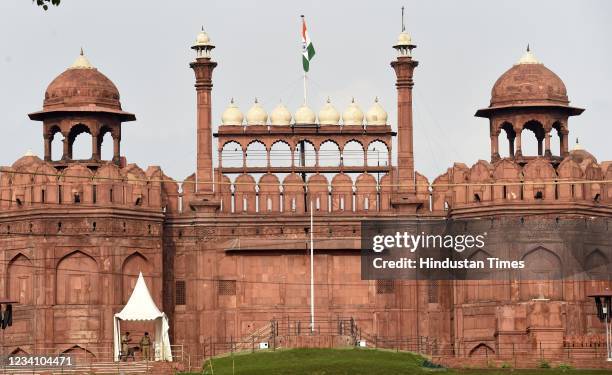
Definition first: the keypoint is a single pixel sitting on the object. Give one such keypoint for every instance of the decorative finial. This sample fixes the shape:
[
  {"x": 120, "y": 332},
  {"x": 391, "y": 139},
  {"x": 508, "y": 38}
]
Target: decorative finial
[
  {"x": 403, "y": 26},
  {"x": 202, "y": 27},
  {"x": 256, "y": 100},
  {"x": 81, "y": 51},
  {"x": 528, "y": 47},
  {"x": 328, "y": 99},
  {"x": 577, "y": 140},
  {"x": 376, "y": 99},
  {"x": 353, "y": 100},
  {"x": 232, "y": 101}
]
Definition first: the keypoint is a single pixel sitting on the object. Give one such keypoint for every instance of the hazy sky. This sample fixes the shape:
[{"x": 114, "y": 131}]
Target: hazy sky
[{"x": 463, "y": 47}]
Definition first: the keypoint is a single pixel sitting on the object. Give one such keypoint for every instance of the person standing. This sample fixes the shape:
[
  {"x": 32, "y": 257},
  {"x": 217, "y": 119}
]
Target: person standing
[
  {"x": 145, "y": 346},
  {"x": 125, "y": 349}
]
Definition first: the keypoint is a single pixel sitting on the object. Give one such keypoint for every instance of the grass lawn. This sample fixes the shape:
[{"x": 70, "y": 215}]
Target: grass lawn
[{"x": 349, "y": 362}]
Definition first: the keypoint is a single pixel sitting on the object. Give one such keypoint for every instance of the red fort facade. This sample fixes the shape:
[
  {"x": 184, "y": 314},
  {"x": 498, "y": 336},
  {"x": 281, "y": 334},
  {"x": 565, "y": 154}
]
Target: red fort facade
[{"x": 225, "y": 252}]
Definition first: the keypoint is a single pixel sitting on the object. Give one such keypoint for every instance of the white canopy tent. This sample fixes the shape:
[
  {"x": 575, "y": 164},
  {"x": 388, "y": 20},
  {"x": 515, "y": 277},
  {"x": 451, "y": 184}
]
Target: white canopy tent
[{"x": 141, "y": 307}]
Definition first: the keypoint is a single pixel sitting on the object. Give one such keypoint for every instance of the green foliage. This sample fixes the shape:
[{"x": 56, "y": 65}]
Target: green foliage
[
  {"x": 564, "y": 367},
  {"x": 506, "y": 365},
  {"x": 543, "y": 364},
  {"x": 429, "y": 364},
  {"x": 45, "y": 3}
]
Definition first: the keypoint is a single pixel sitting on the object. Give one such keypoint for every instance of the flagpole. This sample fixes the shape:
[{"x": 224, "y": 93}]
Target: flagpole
[
  {"x": 304, "y": 88},
  {"x": 312, "y": 327}
]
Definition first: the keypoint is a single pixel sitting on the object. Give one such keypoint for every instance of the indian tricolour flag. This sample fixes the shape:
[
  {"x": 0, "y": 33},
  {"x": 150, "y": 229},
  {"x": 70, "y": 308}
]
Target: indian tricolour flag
[{"x": 308, "y": 50}]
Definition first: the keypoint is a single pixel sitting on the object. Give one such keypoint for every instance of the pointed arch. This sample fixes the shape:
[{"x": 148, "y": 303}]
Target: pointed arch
[
  {"x": 481, "y": 350},
  {"x": 79, "y": 353},
  {"x": 20, "y": 286},
  {"x": 541, "y": 276},
  {"x": 18, "y": 352},
  {"x": 77, "y": 279},
  {"x": 132, "y": 265}
]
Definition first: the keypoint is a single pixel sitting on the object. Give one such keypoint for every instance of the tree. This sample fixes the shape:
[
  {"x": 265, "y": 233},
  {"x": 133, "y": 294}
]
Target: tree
[{"x": 45, "y": 3}]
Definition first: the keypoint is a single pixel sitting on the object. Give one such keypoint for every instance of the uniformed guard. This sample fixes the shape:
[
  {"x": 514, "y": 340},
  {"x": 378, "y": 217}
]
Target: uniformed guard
[
  {"x": 145, "y": 346},
  {"x": 125, "y": 349}
]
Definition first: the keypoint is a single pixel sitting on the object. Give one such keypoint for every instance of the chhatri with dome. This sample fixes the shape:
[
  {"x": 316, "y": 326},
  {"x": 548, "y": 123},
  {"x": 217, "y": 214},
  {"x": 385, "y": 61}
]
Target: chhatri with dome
[{"x": 223, "y": 251}]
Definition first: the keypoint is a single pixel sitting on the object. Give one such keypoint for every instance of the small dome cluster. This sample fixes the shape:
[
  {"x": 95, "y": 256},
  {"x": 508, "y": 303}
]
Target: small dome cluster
[{"x": 304, "y": 115}]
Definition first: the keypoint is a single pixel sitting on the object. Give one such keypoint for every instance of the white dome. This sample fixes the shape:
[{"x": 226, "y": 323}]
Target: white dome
[
  {"x": 280, "y": 115},
  {"x": 257, "y": 115},
  {"x": 404, "y": 39},
  {"x": 328, "y": 115},
  {"x": 353, "y": 115},
  {"x": 232, "y": 115},
  {"x": 376, "y": 115},
  {"x": 203, "y": 39},
  {"x": 305, "y": 115}
]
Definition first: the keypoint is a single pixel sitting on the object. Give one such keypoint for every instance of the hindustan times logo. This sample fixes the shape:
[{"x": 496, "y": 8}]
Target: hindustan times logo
[{"x": 413, "y": 242}]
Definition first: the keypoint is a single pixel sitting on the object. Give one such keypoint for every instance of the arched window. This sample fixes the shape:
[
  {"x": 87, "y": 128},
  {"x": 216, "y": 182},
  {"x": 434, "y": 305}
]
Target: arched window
[
  {"x": 280, "y": 154},
  {"x": 555, "y": 139},
  {"x": 532, "y": 144},
  {"x": 79, "y": 140},
  {"x": 329, "y": 154},
  {"x": 106, "y": 145},
  {"x": 305, "y": 154},
  {"x": 352, "y": 154},
  {"x": 378, "y": 154},
  {"x": 77, "y": 280},
  {"x": 57, "y": 146},
  {"x": 256, "y": 155},
  {"x": 510, "y": 136},
  {"x": 231, "y": 155}
]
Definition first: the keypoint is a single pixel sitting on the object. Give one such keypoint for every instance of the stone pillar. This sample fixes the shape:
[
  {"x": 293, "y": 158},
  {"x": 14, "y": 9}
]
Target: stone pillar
[
  {"x": 547, "y": 152},
  {"x": 203, "y": 68},
  {"x": 47, "y": 139},
  {"x": 404, "y": 69},
  {"x": 95, "y": 147},
  {"x": 494, "y": 147},
  {"x": 563, "y": 134},
  {"x": 511, "y": 145},
  {"x": 116, "y": 149},
  {"x": 519, "y": 152},
  {"x": 540, "y": 153},
  {"x": 67, "y": 152}
]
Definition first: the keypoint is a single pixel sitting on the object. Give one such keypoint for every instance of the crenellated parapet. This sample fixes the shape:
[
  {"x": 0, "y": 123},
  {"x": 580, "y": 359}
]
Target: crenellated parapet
[
  {"x": 31, "y": 183},
  {"x": 511, "y": 187}
]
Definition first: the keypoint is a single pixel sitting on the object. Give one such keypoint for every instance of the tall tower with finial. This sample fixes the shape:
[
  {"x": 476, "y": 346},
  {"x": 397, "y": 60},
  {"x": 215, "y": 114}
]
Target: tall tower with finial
[
  {"x": 203, "y": 67},
  {"x": 404, "y": 68}
]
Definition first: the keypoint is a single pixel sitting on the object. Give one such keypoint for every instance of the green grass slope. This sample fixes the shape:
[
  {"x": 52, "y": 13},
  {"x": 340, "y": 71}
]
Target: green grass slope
[{"x": 348, "y": 362}]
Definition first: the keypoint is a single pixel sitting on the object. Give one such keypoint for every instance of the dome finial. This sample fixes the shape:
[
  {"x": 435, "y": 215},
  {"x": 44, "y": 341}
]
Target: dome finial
[
  {"x": 81, "y": 62},
  {"x": 528, "y": 57}
]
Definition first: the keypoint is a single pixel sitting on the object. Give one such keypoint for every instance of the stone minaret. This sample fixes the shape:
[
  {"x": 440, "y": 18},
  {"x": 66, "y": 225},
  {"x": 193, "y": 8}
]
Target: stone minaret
[
  {"x": 203, "y": 67},
  {"x": 405, "y": 198}
]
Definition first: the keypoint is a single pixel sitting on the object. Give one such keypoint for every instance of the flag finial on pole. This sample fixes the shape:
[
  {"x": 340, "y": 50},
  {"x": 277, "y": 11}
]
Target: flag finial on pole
[{"x": 403, "y": 25}]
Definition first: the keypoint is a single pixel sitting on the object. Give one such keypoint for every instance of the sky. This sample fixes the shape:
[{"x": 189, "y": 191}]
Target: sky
[{"x": 463, "y": 47}]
